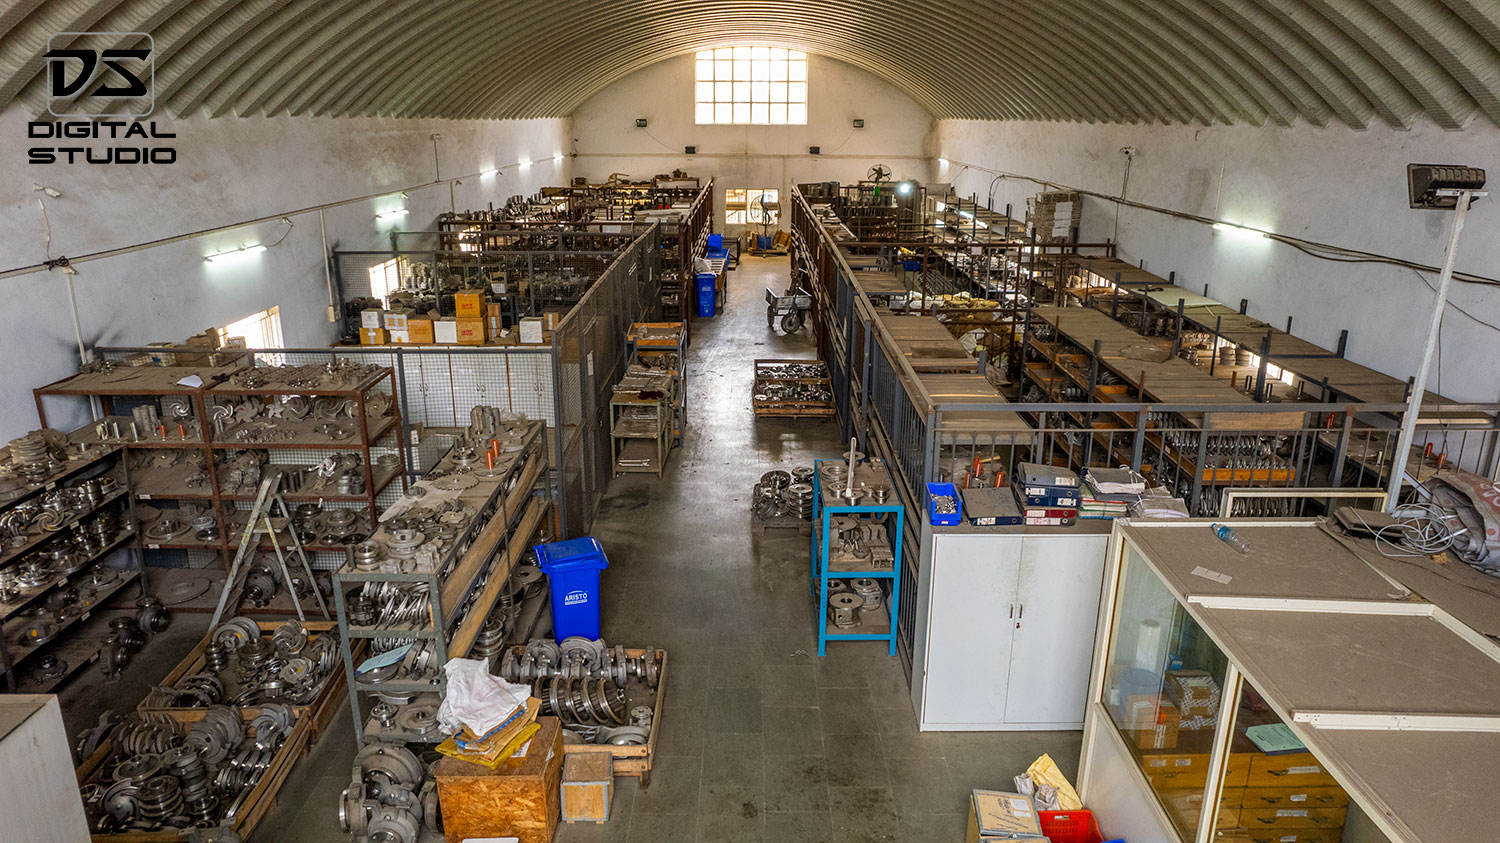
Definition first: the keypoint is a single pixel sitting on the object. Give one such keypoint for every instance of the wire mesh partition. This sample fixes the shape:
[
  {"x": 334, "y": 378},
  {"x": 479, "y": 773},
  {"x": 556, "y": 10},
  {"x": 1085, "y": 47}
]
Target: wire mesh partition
[
  {"x": 589, "y": 356},
  {"x": 1195, "y": 451}
]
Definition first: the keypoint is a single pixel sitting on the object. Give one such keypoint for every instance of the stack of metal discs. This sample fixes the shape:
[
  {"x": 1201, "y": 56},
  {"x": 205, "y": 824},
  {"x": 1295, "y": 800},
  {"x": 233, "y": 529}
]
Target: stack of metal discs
[{"x": 800, "y": 496}]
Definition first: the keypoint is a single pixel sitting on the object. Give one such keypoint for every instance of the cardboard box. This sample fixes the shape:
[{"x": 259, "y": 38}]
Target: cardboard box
[
  {"x": 504, "y": 336},
  {"x": 492, "y": 309},
  {"x": 996, "y": 815},
  {"x": 1153, "y": 725},
  {"x": 472, "y": 331},
  {"x": 468, "y": 305},
  {"x": 494, "y": 324},
  {"x": 402, "y": 336},
  {"x": 420, "y": 330},
  {"x": 445, "y": 331},
  {"x": 374, "y": 336},
  {"x": 396, "y": 320},
  {"x": 551, "y": 319},
  {"x": 1191, "y": 685},
  {"x": 372, "y": 318},
  {"x": 531, "y": 330}
]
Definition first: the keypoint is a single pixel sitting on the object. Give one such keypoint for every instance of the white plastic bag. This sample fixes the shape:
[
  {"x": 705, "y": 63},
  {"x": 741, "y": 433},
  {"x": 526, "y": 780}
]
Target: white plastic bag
[{"x": 476, "y": 699}]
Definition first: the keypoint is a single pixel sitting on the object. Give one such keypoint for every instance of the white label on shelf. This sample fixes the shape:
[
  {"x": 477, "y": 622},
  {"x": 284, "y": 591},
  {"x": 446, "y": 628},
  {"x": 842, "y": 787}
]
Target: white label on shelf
[
  {"x": 144, "y": 497},
  {"x": 1215, "y": 576},
  {"x": 153, "y": 547},
  {"x": 1299, "y": 797},
  {"x": 1183, "y": 762},
  {"x": 1158, "y": 762},
  {"x": 1290, "y": 812},
  {"x": 1288, "y": 838},
  {"x": 1305, "y": 770}
]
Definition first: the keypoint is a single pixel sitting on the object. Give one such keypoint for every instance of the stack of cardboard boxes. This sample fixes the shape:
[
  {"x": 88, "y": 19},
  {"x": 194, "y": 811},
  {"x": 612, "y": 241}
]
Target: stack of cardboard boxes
[{"x": 476, "y": 322}]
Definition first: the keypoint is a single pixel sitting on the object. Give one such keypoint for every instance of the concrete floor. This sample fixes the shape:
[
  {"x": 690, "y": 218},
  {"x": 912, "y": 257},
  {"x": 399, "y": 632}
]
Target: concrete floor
[{"x": 761, "y": 740}]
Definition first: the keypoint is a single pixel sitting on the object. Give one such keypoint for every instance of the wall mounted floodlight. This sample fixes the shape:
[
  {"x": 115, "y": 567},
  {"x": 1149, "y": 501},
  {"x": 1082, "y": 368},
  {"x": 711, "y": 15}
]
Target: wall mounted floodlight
[{"x": 1436, "y": 186}]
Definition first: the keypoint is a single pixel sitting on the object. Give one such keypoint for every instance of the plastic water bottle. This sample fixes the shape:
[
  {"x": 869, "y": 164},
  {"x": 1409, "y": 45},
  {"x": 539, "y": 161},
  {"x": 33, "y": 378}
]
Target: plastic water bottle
[{"x": 1230, "y": 537}]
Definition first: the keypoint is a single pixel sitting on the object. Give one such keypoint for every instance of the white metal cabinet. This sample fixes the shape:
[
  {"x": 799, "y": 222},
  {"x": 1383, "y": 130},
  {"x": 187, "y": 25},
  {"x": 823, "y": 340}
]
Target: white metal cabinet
[
  {"x": 968, "y": 641},
  {"x": 1057, "y": 601},
  {"x": 1005, "y": 629}
]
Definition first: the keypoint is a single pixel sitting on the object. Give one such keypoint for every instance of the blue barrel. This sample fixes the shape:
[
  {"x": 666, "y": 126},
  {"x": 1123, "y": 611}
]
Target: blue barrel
[
  {"x": 763, "y": 241},
  {"x": 707, "y": 293},
  {"x": 572, "y": 568}
]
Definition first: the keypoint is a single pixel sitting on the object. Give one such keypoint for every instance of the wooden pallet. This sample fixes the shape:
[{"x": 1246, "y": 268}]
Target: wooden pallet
[
  {"x": 758, "y": 525},
  {"x": 795, "y": 410},
  {"x": 318, "y": 714},
  {"x": 257, "y": 804},
  {"x": 635, "y": 760},
  {"x": 790, "y": 409}
]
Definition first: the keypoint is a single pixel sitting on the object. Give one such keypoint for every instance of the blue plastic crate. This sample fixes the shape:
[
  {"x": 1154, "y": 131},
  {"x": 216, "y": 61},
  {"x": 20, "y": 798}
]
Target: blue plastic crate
[{"x": 946, "y": 519}]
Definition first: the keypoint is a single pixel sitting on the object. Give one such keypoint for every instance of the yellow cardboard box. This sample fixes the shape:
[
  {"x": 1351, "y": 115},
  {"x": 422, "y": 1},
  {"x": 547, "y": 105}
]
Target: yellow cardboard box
[
  {"x": 472, "y": 331},
  {"x": 468, "y": 305},
  {"x": 374, "y": 336},
  {"x": 420, "y": 330}
]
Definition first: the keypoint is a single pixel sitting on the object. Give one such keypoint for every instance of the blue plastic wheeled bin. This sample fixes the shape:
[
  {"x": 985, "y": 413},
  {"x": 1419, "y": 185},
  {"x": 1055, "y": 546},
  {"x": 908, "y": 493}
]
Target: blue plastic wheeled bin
[
  {"x": 708, "y": 293},
  {"x": 572, "y": 568}
]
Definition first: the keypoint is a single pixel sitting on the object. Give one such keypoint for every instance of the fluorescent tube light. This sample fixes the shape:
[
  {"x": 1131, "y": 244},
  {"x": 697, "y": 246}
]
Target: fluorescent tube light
[
  {"x": 1238, "y": 231},
  {"x": 391, "y": 214},
  {"x": 235, "y": 254}
]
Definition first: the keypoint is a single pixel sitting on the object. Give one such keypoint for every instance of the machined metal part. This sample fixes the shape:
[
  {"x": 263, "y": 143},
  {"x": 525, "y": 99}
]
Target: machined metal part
[
  {"x": 843, "y": 609},
  {"x": 869, "y": 591}
]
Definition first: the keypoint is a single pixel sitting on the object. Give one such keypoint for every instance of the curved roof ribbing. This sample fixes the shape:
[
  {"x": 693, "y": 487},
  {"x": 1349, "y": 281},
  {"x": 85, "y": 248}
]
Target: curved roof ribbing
[{"x": 1128, "y": 61}]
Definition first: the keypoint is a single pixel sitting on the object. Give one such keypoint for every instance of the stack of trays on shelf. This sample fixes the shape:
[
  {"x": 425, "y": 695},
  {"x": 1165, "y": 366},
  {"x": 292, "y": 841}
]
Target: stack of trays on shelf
[{"x": 1048, "y": 495}]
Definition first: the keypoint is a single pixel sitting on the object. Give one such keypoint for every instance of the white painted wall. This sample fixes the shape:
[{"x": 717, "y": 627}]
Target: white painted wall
[
  {"x": 228, "y": 170},
  {"x": 897, "y": 132},
  {"x": 1332, "y": 185}
]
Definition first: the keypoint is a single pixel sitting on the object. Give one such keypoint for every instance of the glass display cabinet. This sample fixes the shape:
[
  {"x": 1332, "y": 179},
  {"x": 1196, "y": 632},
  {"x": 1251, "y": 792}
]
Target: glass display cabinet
[{"x": 1291, "y": 694}]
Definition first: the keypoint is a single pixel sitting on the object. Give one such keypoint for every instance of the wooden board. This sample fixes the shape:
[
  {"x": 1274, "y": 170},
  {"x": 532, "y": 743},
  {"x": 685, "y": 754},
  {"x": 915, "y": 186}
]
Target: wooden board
[{"x": 519, "y": 799}]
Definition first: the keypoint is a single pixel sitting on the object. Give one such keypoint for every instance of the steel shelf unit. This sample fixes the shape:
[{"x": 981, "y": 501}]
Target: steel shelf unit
[
  {"x": 206, "y": 387},
  {"x": 666, "y": 342},
  {"x": 821, "y": 570},
  {"x": 467, "y": 582},
  {"x": 82, "y": 651}
]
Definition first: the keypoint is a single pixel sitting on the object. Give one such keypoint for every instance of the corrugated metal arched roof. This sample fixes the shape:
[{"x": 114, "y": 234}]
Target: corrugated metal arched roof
[{"x": 1174, "y": 61}]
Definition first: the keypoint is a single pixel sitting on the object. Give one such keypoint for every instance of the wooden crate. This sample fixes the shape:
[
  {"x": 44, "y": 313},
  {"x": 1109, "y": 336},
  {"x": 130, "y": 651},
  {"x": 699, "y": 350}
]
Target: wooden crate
[
  {"x": 588, "y": 787},
  {"x": 262, "y": 797},
  {"x": 519, "y": 799},
  {"x": 634, "y": 760},
  {"x": 319, "y": 712},
  {"x": 789, "y": 409}
]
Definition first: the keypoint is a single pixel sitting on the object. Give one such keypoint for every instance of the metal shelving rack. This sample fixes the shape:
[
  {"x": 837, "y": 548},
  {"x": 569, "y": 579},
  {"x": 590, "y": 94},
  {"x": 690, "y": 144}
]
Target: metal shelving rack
[
  {"x": 78, "y": 650},
  {"x": 827, "y": 505},
  {"x": 468, "y": 580},
  {"x": 205, "y": 389},
  {"x": 377, "y": 433},
  {"x": 662, "y": 347}
]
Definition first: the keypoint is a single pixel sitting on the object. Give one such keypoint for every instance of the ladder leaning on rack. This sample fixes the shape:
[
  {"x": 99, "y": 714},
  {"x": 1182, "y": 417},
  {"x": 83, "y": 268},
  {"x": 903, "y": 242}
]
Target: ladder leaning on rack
[{"x": 262, "y": 522}]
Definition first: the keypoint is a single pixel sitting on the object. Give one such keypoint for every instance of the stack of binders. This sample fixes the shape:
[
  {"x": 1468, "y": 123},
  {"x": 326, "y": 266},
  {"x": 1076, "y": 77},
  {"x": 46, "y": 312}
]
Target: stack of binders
[{"x": 1048, "y": 495}]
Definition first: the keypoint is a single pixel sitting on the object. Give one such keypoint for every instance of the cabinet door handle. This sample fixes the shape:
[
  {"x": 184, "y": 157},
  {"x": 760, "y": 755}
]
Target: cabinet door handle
[
  {"x": 1020, "y": 610},
  {"x": 1012, "y": 610}
]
